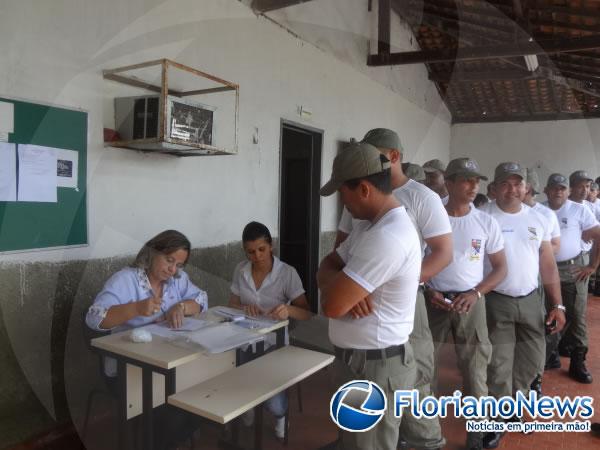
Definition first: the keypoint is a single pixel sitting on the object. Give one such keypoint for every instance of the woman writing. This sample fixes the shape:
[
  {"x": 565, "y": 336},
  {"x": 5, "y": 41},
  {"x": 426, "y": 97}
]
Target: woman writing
[
  {"x": 152, "y": 288},
  {"x": 264, "y": 285}
]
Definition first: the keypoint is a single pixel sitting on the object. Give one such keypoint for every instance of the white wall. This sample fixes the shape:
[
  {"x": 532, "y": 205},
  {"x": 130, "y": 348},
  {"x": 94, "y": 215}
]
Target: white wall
[
  {"x": 55, "y": 51},
  {"x": 559, "y": 146},
  {"x": 347, "y": 30}
]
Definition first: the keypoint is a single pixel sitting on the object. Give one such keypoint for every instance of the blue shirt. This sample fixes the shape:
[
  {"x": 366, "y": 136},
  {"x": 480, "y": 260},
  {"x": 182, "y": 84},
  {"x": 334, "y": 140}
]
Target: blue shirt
[{"x": 131, "y": 285}]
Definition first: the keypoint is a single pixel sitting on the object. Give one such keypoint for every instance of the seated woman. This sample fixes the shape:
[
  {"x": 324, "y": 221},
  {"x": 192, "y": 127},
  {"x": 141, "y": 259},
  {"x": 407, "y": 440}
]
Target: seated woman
[
  {"x": 264, "y": 285},
  {"x": 153, "y": 288}
]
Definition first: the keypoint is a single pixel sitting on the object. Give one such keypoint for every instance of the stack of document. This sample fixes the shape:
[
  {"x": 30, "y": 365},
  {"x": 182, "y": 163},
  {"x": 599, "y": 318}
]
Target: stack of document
[
  {"x": 224, "y": 337},
  {"x": 239, "y": 318},
  {"x": 214, "y": 337}
]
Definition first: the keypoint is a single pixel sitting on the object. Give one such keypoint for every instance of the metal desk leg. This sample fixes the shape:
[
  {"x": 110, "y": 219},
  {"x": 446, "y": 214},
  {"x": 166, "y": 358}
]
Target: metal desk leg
[
  {"x": 280, "y": 337},
  {"x": 170, "y": 383},
  {"x": 122, "y": 403},
  {"x": 258, "y": 427},
  {"x": 147, "y": 425},
  {"x": 260, "y": 349}
]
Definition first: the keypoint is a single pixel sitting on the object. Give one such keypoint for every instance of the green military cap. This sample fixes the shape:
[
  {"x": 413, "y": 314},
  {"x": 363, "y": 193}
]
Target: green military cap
[
  {"x": 579, "y": 175},
  {"x": 506, "y": 169},
  {"x": 557, "y": 179},
  {"x": 533, "y": 180},
  {"x": 355, "y": 161},
  {"x": 383, "y": 138},
  {"x": 414, "y": 172},
  {"x": 434, "y": 165},
  {"x": 465, "y": 167}
]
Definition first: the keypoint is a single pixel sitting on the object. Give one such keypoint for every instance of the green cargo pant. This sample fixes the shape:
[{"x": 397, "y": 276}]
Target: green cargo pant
[
  {"x": 574, "y": 296},
  {"x": 471, "y": 342},
  {"x": 391, "y": 374},
  {"x": 516, "y": 330},
  {"x": 422, "y": 433}
]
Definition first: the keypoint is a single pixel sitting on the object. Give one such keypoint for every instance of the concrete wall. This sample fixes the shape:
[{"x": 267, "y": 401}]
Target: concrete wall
[
  {"x": 54, "y": 52},
  {"x": 558, "y": 146},
  {"x": 348, "y": 31}
]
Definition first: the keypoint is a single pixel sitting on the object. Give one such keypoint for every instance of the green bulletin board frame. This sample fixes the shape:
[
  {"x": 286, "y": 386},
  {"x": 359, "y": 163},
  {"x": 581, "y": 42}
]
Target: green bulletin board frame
[{"x": 39, "y": 225}]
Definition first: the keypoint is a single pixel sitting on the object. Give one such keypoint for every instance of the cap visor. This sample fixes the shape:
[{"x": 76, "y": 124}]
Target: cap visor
[
  {"x": 330, "y": 187},
  {"x": 475, "y": 174},
  {"x": 430, "y": 169},
  {"x": 565, "y": 185},
  {"x": 469, "y": 175},
  {"x": 505, "y": 176}
]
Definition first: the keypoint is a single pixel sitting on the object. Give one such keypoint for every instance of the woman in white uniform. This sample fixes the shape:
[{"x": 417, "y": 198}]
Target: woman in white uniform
[{"x": 266, "y": 286}]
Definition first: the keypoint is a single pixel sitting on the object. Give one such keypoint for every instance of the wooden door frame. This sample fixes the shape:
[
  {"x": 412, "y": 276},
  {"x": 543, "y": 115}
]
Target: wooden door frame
[{"x": 315, "y": 226}]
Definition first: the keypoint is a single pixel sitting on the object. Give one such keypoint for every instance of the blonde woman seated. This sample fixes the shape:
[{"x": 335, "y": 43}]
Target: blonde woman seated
[
  {"x": 153, "y": 288},
  {"x": 265, "y": 285}
]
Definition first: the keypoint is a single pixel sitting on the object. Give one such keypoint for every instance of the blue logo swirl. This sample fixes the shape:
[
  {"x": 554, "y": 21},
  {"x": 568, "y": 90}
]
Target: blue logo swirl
[{"x": 358, "y": 405}]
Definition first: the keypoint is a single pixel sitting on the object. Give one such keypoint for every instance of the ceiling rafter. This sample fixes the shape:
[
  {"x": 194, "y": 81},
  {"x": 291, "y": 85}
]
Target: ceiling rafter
[
  {"x": 519, "y": 48},
  {"x": 506, "y": 88},
  {"x": 263, "y": 6}
]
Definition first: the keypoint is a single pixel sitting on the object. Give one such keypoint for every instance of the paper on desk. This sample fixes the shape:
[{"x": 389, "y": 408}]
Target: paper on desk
[
  {"x": 8, "y": 172},
  {"x": 252, "y": 323},
  {"x": 228, "y": 313},
  {"x": 225, "y": 336},
  {"x": 189, "y": 325},
  {"x": 37, "y": 173}
]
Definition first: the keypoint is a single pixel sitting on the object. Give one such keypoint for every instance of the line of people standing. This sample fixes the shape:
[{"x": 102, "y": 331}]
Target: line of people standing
[{"x": 494, "y": 277}]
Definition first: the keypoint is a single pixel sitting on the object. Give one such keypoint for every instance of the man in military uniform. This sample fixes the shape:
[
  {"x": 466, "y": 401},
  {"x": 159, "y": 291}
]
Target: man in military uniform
[
  {"x": 455, "y": 296},
  {"x": 578, "y": 225},
  {"x": 414, "y": 172},
  {"x": 515, "y": 314},
  {"x": 431, "y": 221},
  {"x": 379, "y": 265},
  {"x": 434, "y": 172}
]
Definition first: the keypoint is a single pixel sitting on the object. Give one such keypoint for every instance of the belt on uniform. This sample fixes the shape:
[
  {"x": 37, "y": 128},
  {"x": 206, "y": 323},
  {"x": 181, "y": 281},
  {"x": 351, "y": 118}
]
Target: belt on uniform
[
  {"x": 570, "y": 262},
  {"x": 515, "y": 296},
  {"x": 450, "y": 295},
  {"x": 345, "y": 354}
]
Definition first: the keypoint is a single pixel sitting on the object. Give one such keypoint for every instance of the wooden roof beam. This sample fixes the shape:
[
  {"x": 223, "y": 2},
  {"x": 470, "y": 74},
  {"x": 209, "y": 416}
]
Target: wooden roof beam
[
  {"x": 521, "y": 48},
  {"x": 263, "y": 6},
  {"x": 580, "y": 12},
  {"x": 450, "y": 18},
  {"x": 496, "y": 75}
]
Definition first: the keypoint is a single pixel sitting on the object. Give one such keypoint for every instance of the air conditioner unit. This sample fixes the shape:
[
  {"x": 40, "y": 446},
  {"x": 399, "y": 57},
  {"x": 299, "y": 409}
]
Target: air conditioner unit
[{"x": 187, "y": 122}]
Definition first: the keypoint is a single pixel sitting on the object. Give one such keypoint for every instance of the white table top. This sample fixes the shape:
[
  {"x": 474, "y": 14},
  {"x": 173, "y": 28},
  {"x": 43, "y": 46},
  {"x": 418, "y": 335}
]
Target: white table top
[
  {"x": 234, "y": 392},
  {"x": 161, "y": 352}
]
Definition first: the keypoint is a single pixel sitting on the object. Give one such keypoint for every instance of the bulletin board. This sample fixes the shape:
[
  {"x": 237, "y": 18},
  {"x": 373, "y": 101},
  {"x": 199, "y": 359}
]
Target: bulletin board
[{"x": 30, "y": 221}]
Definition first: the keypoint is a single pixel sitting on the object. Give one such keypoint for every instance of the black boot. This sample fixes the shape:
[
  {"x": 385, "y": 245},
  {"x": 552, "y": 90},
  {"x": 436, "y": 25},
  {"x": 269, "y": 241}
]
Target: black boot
[
  {"x": 536, "y": 385},
  {"x": 577, "y": 369},
  {"x": 492, "y": 439},
  {"x": 553, "y": 361},
  {"x": 596, "y": 292},
  {"x": 564, "y": 349},
  {"x": 474, "y": 441}
]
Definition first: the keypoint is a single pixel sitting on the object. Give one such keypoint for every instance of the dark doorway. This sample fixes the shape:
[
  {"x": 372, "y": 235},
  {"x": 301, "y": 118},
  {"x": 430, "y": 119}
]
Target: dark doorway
[{"x": 300, "y": 203}]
